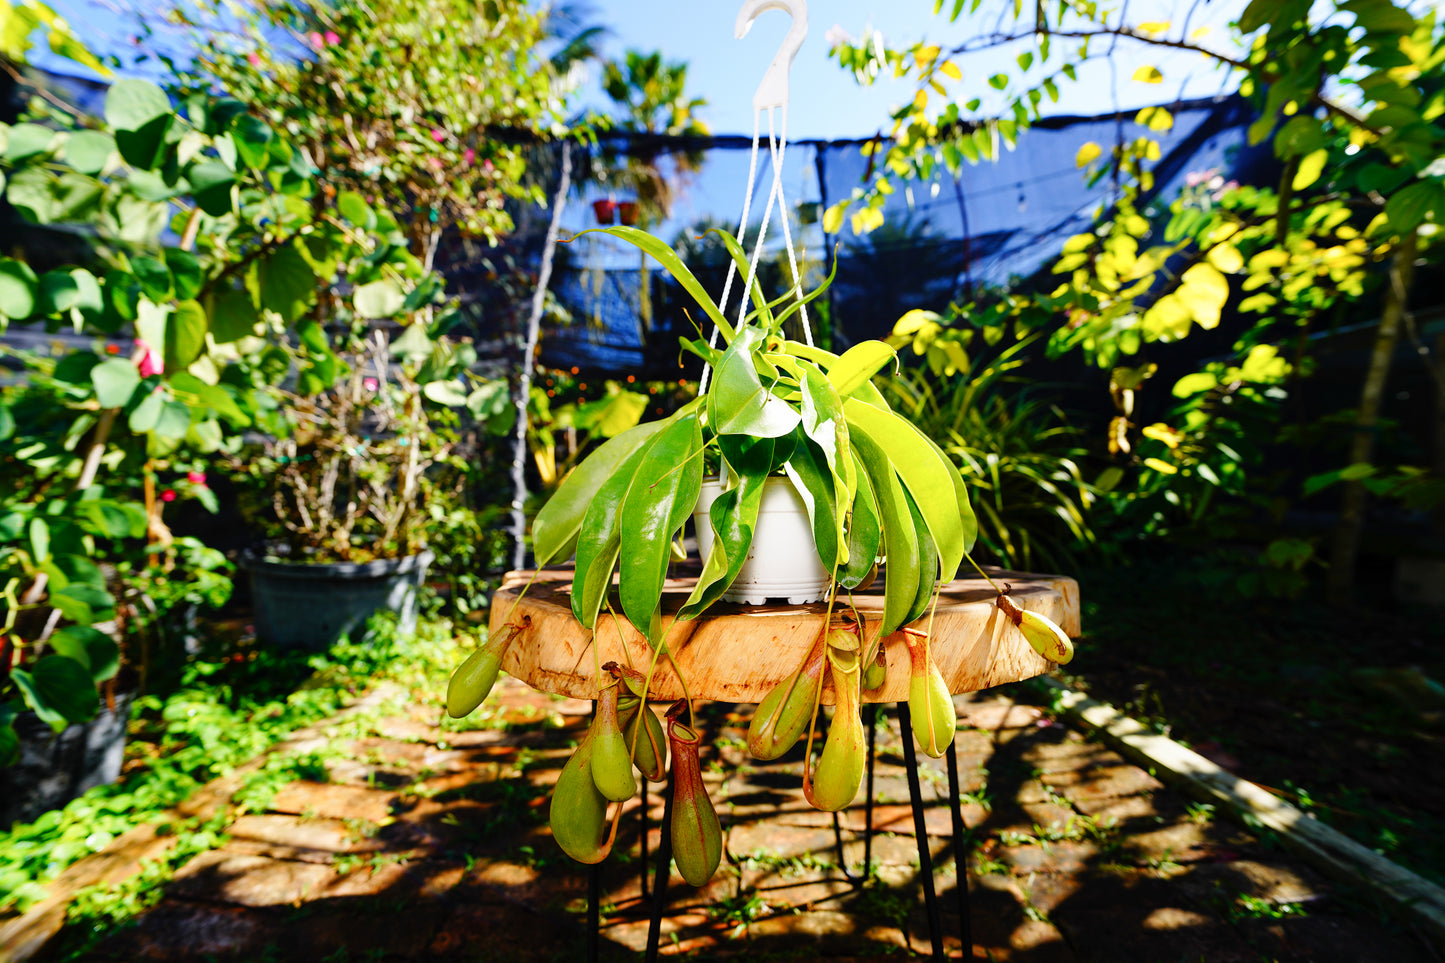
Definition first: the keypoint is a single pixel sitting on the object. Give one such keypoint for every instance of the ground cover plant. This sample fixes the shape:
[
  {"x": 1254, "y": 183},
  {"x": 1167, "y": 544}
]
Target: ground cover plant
[{"x": 224, "y": 712}]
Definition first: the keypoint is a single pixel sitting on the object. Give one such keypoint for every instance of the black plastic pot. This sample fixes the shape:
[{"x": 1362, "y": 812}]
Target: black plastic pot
[
  {"x": 55, "y": 767},
  {"x": 311, "y": 605}
]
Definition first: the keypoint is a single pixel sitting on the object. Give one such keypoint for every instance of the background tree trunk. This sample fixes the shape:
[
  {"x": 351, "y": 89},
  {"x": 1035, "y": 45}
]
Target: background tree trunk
[
  {"x": 1346, "y": 548},
  {"x": 529, "y": 348}
]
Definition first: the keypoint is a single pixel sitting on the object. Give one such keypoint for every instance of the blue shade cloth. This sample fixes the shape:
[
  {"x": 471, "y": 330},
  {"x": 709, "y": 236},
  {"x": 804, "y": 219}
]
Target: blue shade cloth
[{"x": 996, "y": 225}]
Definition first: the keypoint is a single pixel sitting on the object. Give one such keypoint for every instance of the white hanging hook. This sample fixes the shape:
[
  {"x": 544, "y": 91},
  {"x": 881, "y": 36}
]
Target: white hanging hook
[{"x": 773, "y": 91}]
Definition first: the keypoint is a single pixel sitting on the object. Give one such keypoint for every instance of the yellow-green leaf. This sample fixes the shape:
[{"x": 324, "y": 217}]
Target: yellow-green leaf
[
  {"x": 1310, "y": 168},
  {"x": 867, "y": 219},
  {"x": 950, "y": 69},
  {"x": 1163, "y": 467},
  {"x": 1203, "y": 290},
  {"x": 1087, "y": 154},
  {"x": 1226, "y": 257},
  {"x": 1148, "y": 75},
  {"x": 833, "y": 217}
]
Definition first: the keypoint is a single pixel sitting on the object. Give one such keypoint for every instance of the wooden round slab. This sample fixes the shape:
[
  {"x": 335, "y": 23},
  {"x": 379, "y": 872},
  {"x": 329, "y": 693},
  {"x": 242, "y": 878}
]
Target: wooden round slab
[{"x": 737, "y": 653}]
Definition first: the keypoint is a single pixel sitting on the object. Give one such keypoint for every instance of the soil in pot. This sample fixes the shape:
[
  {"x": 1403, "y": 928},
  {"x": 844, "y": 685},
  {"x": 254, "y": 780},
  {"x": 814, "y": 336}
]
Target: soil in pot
[{"x": 312, "y": 605}]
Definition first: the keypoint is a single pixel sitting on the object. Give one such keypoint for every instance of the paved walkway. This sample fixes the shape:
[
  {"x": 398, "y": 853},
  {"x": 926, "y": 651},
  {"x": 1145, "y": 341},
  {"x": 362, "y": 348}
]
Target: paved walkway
[{"x": 428, "y": 843}]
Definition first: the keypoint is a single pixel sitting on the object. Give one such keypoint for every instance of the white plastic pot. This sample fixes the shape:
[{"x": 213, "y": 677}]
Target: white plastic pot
[{"x": 783, "y": 559}]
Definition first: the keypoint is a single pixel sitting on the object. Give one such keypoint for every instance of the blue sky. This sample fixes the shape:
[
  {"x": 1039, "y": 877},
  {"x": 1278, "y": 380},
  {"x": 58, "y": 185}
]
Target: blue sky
[{"x": 826, "y": 102}]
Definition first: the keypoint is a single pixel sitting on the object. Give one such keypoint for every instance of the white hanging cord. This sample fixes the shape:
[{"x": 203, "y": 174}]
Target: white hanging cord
[
  {"x": 763, "y": 228},
  {"x": 787, "y": 233},
  {"x": 732, "y": 265}
]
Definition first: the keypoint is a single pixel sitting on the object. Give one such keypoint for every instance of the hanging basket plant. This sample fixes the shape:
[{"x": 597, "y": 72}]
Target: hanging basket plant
[{"x": 874, "y": 486}]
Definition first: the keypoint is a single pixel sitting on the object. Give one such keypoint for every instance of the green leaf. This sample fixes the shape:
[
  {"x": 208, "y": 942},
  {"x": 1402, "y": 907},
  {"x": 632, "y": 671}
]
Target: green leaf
[
  {"x": 58, "y": 690},
  {"x": 1193, "y": 384},
  {"x": 115, "y": 380},
  {"x": 858, "y": 364},
  {"x": 737, "y": 401},
  {"x": 557, "y": 525},
  {"x": 39, "y": 540},
  {"x": 734, "y": 517},
  {"x": 824, "y": 423},
  {"x": 174, "y": 421},
  {"x": 56, "y": 293},
  {"x": 187, "y": 274},
  {"x": 18, "y": 286},
  {"x": 928, "y": 563},
  {"x": 140, "y": 114},
  {"x": 379, "y": 299},
  {"x": 89, "y": 150},
  {"x": 865, "y": 530},
  {"x": 287, "y": 283},
  {"x": 900, "y": 540},
  {"x": 662, "y": 496},
  {"x": 668, "y": 258},
  {"x": 1410, "y": 205},
  {"x": 233, "y": 316},
  {"x": 1311, "y": 166},
  {"x": 1204, "y": 291},
  {"x": 185, "y": 336},
  {"x": 154, "y": 277},
  {"x": 27, "y": 140},
  {"x": 598, "y": 540},
  {"x": 9, "y": 744},
  {"x": 213, "y": 185},
  {"x": 354, "y": 208},
  {"x": 928, "y": 476},
  {"x": 808, "y": 470},
  {"x": 252, "y": 138},
  {"x": 448, "y": 392},
  {"x": 144, "y": 416}
]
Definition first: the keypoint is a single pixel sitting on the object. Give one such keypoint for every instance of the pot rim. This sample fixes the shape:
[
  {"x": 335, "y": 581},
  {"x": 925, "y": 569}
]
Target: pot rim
[{"x": 377, "y": 568}]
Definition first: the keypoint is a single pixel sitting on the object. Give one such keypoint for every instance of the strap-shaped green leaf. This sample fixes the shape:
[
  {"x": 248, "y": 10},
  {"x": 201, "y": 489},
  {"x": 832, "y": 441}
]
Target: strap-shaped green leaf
[
  {"x": 740, "y": 259},
  {"x": 927, "y": 564},
  {"x": 809, "y": 472},
  {"x": 928, "y": 475},
  {"x": 734, "y": 517},
  {"x": 599, "y": 539},
  {"x": 662, "y": 496},
  {"x": 554, "y": 532},
  {"x": 900, "y": 540},
  {"x": 858, "y": 364},
  {"x": 966, "y": 517},
  {"x": 865, "y": 530},
  {"x": 737, "y": 402},
  {"x": 824, "y": 423},
  {"x": 668, "y": 258}
]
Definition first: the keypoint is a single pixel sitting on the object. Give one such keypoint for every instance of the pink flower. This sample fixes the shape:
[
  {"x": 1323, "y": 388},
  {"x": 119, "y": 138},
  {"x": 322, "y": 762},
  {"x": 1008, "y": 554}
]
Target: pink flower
[
  {"x": 316, "y": 40},
  {"x": 253, "y": 58},
  {"x": 196, "y": 477},
  {"x": 487, "y": 166},
  {"x": 468, "y": 156},
  {"x": 370, "y": 384},
  {"x": 332, "y": 38},
  {"x": 151, "y": 362},
  {"x": 168, "y": 495},
  {"x": 435, "y": 162},
  {"x": 438, "y": 135}
]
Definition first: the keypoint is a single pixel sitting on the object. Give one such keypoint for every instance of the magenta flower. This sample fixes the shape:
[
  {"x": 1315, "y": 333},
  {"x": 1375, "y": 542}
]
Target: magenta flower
[
  {"x": 151, "y": 361},
  {"x": 196, "y": 477},
  {"x": 332, "y": 38},
  {"x": 468, "y": 156},
  {"x": 168, "y": 495},
  {"x": 316, "y": 40},
  {"x": 253, "y": 58},
  {"x": 438, "y": 135}
]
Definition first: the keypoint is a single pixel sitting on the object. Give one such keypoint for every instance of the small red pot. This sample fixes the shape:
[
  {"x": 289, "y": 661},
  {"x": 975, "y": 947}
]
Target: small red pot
[
  {"x": 627, "y": 212},
  {"x": 605, "y": 211}
]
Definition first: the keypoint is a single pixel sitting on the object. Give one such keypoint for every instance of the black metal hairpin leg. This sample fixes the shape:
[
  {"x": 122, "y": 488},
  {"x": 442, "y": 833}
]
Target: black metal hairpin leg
[
  {"x": 920, "y": 828},
  {"x": 659, "y": 881},
  {"x": 642, "y": 836},
  {"x": 870, "y": 717},
  {"x": 594, "y": 916},
  {"x": 960, "y": 854}
]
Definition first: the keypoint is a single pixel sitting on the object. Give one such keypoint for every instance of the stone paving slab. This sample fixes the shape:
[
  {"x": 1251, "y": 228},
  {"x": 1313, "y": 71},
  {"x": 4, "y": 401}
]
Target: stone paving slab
[{"x": 431, "y": 843}]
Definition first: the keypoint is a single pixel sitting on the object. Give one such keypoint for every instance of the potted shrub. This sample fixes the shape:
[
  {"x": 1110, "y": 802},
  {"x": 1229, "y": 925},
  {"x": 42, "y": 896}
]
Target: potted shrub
[
  {"x": 776, "y": 412},
  {"x": 340, "y": 484}
]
